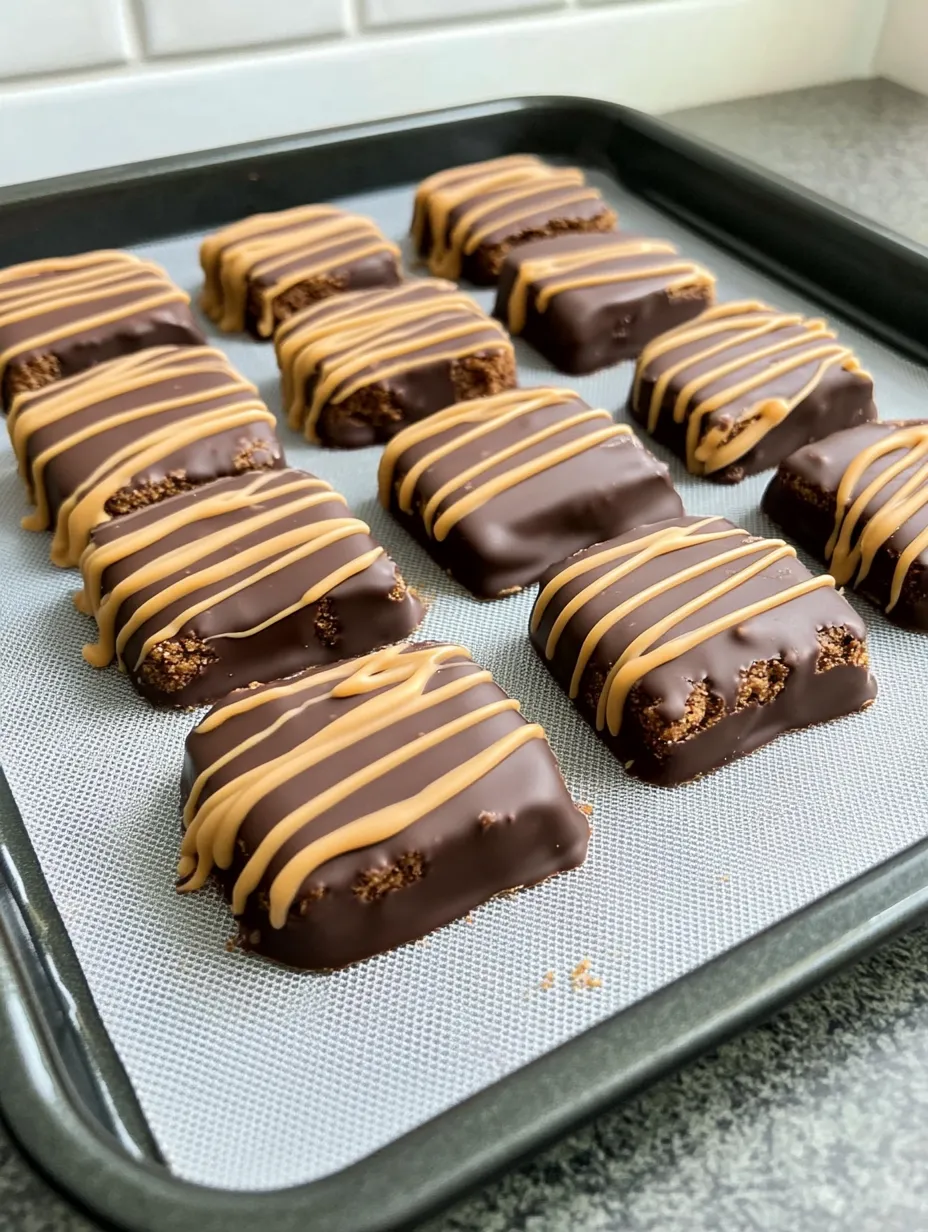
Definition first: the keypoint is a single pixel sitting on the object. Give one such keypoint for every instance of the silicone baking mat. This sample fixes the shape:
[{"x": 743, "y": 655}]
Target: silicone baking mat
[{"x": 256, "y": 1077}]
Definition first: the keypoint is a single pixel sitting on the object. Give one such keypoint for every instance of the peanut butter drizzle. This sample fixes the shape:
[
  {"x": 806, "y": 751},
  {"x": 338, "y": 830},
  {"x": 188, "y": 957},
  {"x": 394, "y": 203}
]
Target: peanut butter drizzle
[
  {"x": 638, "y": 658},
  {"x": 34, "y": 410},
  {"x": 211, "y": 831},
  {"x": 753, "y": 320},
  {"x": 305, "y": 493},
  {"x": 280, "y": 551},
  {"x": 86, "y": 279},
  {"x": 297, "y": 357},
  {"x": 371, "y": 338},
  {"x": 464, "y": 505},
  {"x": 912, "y": 496},
  {"x": 581, "y": 267},
  {"x": 85, "y": 507},
  {"x": 398, "y": 682},
  {"x": 97, "y": 557},
  {"x": 254, "y": 246},
  {"x": 442, "y": 181},
  {"x": 489, "y": 414},
  {"x": 492, "y": 187}
]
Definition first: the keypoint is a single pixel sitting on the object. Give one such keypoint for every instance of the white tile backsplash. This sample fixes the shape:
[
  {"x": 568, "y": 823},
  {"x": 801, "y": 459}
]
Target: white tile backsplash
[
  {"x": 174, "y": 27},
  {"x": 96, "y": 83},
  {"x": 46, "y": 36},
  {"x": 377, "y": 13}
]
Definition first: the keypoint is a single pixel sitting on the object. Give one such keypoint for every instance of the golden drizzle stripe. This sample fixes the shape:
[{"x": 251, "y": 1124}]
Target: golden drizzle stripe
[
  {"x": 488, "y": 414},
  {"x": 502, "y": 193},
  {"x": 96, "y": 559},
  {"x": 579, "y": 267},
  {"x": 846, "y": 560},
  {"x": 444, "y": 181},
  {"x": 297, "y": 356},
  {"x": 294, "y": 492},
  {"x": 748, "y": 321},
  {"x": 33, "y": 411},
  {"x": 639, "y": 658},
  {"x": 300, "y": 238},
  {"x": 85, "y": 280},
  {"x": 369, "y": 336},
  {"x": 85, "y": 507},
  {"x": 398, "y": 682}
]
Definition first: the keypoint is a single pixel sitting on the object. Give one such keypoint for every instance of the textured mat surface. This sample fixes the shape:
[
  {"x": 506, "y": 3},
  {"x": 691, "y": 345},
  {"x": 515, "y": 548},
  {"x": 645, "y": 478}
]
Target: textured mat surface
[{"x": 257, "y": 1077}]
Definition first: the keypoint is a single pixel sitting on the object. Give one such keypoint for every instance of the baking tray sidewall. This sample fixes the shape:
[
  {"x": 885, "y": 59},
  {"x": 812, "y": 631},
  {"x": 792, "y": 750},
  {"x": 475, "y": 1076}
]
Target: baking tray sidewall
[
  {"x": 45, "y": 974},
  {"x": 856, "y": 268},
  {"x": 442, "y": 1160},
  {"x": 515, "y": 1130}
]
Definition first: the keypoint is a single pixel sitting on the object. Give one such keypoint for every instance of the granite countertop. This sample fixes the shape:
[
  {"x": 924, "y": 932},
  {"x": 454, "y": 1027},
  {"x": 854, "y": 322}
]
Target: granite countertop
[{"x": 818, "y": 1120}]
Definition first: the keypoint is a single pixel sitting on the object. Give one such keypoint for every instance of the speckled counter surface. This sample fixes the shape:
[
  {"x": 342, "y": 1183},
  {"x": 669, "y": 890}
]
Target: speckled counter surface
[
  {"x": 817, "y": 1121},
  {"x": 863, "y": 143}
]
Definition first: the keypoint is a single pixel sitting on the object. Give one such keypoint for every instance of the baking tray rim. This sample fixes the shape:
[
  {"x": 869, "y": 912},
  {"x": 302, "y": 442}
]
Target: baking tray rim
[{"x": 109, "y": 1163}]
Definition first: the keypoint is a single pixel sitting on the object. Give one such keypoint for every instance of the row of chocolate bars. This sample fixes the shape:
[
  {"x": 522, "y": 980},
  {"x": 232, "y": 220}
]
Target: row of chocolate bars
[{"x": 349, "y": 808}]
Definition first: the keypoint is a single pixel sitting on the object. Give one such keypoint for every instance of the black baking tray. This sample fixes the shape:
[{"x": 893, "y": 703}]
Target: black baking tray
[{"x": 63, "y": 1091}]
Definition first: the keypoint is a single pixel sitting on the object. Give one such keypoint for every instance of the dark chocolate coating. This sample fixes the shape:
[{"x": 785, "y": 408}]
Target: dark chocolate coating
[
  {"x": 378, "y": 269},
  {"x": 384, "y": 405},
  {"x": 583, "y": 329},
  {"x": 542, "y": 214},
  {"x": 788, "y": 633},
  {"x": 546, "y": 218},
  {"x": 412, "y": 395},
  {"x": 360, "y": 609},
  {"x": 169, "y": 324},
  {"x": 508, "y": 542},
  {"x": 212, "y": 457},
  {"x": 841, "y": 399},
  {"x": 802, "y": 496},
  {"x": 515, "y": 826}
]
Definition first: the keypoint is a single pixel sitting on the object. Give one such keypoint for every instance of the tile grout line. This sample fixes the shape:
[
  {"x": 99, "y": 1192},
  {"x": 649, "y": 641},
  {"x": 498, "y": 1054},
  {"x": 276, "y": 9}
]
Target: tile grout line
[
  {"x": 133, "y": 28},
  {"x": 352, "y": 18}
]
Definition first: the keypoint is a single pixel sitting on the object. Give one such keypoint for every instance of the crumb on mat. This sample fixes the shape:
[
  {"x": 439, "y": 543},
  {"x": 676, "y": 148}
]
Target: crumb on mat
[{"x": 581, "y": 977}]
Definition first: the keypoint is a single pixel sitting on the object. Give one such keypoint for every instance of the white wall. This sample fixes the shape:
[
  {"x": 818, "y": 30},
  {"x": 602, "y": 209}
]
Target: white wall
[
  {"x": 903, "y": 49},
  {"x": 91, "y": 83}
]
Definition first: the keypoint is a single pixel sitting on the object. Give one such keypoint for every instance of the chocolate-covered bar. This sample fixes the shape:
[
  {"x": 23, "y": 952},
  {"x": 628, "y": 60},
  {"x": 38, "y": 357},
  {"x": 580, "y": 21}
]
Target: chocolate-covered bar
[
  {"x": 132, "y": 432},
  {"x": 259, "y": 271},
  {"x": 587, "y": 301},
  {"x": 355, "y": 369},
  {"x": 858, "y": 500},
  {"x": 688, "y": 643},
  {"x": 499, "y": 488},
  {"x": 65, "y": 314},
  {"x": 465, "y": 220},
  {"x": 349, "y": 810},
  {"x": 246, "y": 579},
  {"x": 736, "y": 390}
]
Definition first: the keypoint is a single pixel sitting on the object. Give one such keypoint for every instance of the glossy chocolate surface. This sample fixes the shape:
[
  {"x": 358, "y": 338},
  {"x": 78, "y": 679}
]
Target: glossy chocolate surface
[
  {"x": 260, "y": 270},
  {"x": 587, "y": 327},
  {"x": 81, "y": 443},
  {"x": 802, "y": 499},
  {"x": 507, "y": 542},
  {"x": 487, "y": 207},
  {"x": 380, "y": 269},
  {"x": 369, "y": 609},
  {"x": 513, "y": 827},
  {"x": 822, "y": 396},
  {"x": 733, "y": 724},
  {"x": 425, "y": 346},
  {"x": 59, "y": 332}
]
